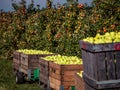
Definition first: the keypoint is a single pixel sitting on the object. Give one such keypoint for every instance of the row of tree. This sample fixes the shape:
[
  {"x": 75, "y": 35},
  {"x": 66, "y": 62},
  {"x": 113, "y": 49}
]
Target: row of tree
[{"x": 56, "y": 29}]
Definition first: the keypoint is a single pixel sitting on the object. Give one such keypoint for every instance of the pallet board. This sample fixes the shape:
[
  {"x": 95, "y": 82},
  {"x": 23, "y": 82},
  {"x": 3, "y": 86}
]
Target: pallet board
[
  {"x": 101, "y": 63},
  {"x": 62, "y": 75}
]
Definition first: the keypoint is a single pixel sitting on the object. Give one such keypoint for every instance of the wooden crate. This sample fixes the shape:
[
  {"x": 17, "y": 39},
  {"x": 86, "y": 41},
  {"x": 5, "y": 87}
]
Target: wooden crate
[
  {"x": 16, "y": 60},
  {"x": 101, "y": 63},
  {"x": 62, "y": 75},
  {"x": 79, "y": 82}
]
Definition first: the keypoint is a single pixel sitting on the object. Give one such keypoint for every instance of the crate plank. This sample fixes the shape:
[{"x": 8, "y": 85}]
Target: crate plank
[
  {"x": 90, "y": 58},
  {"x": 68, "y": 78},
  {"x": 99, "y": 47},
  {"x": 71, "y": 67},
  {"x": 79, "y": 83},
  {"x": 15, "y": 66},
  {"x": 56, "y": 76},
  {"x": 101, "y": 67},
  {"x": 69, "y": 72},
  {"x": 84, "y": 59},
  {"x": 55, "y": 81},
  {"x": 57, "y": 66},
  {"x": 117, "y": 62},
  {"x": 110, "y": 66}
]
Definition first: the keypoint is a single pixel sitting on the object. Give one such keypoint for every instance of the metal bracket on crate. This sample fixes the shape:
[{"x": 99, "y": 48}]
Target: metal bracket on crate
[{"x": 101, "y": 84}]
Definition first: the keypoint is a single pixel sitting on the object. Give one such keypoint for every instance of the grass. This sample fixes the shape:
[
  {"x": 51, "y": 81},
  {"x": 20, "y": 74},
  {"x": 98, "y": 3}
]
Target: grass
[{"x": 7, "y": 78}]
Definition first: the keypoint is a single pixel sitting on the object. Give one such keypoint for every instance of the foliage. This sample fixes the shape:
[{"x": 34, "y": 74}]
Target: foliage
[
  {"x": 105, "y": 16},
  {"x": 56, "y": 29}
]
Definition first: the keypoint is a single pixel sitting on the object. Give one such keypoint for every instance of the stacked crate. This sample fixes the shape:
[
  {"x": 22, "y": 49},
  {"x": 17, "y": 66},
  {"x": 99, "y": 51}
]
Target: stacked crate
[
  {"x": 62, "y": 76},
  {"x": 101, "y": 63}
]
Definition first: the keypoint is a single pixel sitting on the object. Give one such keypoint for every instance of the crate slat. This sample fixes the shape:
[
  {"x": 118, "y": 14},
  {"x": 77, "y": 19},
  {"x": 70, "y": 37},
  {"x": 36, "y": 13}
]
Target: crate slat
[
  {"x": 79, "y": 83},
  {"x": 99, "y": 47}
]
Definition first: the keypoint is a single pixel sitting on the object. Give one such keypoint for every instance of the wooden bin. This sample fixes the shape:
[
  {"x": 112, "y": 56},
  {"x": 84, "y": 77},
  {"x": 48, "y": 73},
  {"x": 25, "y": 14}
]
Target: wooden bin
[
  {"x": 79, "y": 82},
  {"x": 101, "y": 63},
  {"x": 16, "y": 60},
  {"x": 62, "y": 75}
]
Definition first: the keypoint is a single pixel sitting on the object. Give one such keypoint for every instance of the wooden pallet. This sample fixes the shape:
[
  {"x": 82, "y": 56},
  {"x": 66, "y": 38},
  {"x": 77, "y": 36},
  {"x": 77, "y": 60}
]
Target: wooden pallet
[{"x": 101, "y": 63}]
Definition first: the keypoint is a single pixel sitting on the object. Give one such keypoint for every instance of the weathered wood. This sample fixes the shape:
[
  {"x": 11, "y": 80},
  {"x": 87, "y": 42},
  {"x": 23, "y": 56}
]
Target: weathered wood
[
  {"x": 100, "y": 71},
  {"x": 100, "y": 67},
  {"x": 101, "y": 84},
  {"x": 110, "y": 66},
  {"x": 99, "y": 47},
  {"x": 90, "y": 58},
  {"x": 85, "y": 63},
  {"x": 117, "y": 63},
  {"x": 101, "y": 63}
]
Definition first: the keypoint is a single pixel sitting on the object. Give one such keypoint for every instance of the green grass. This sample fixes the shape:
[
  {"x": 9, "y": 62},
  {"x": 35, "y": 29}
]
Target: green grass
[{"x": 7, "y": 78}]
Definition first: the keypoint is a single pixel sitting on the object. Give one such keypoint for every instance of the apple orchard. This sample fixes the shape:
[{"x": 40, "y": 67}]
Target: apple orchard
[{"x": 57, "y": 29}]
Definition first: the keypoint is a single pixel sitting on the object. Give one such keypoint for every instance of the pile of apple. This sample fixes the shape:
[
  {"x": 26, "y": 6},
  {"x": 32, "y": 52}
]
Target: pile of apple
[
  {"x": 108, "y": 37},
  {"x": 60, "y": 59},
  {"x": 30, "y": 51}
]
